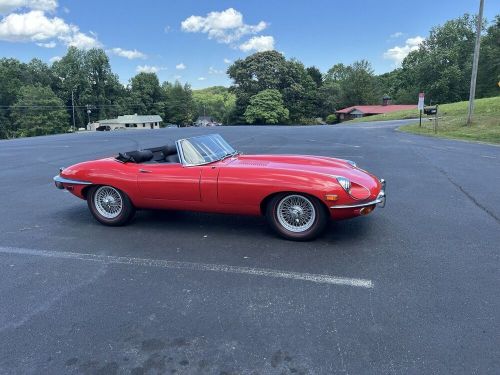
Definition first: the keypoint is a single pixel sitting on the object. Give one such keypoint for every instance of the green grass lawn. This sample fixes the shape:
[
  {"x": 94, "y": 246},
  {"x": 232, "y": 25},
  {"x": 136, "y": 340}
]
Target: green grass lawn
[{"x": 452, "y": 121}]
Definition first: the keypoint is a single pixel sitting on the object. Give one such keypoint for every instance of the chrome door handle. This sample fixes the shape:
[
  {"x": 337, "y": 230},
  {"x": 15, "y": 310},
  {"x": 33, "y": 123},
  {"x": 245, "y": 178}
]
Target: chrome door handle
[{"x": 144, "y": 171}]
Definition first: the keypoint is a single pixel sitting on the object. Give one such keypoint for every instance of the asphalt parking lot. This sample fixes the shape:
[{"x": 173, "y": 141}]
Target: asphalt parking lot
[{"x": 194, "y": 293}]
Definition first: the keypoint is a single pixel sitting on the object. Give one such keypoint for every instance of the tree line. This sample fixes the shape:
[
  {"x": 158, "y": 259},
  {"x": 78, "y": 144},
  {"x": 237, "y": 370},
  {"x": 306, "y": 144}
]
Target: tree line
[{"x": 36, "y": 98}]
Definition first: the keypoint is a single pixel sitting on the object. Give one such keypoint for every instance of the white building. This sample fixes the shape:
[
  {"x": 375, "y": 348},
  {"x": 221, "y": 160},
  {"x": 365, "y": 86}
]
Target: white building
[{"x": 127, "y": 122}]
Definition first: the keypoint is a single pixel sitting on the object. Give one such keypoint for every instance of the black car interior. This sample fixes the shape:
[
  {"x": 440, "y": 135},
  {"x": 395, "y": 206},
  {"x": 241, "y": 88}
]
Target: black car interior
[{"x": 163, "y": 154}]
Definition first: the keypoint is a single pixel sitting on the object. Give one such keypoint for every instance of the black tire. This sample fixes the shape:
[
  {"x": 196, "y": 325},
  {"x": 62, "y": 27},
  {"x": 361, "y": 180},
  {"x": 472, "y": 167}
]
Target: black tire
[
  {"x": 309, "y": 231},
  {"x": 122, "y": 217}
]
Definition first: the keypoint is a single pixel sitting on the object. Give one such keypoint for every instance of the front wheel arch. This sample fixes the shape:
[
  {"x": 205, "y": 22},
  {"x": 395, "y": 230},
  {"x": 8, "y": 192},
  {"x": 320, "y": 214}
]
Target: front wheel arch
[
  {"x": 282, "y": 225},
  {"x": 265, "y": 202},
  {"x": 85, "y": 191},
  {"x": 127, "y": 210}
]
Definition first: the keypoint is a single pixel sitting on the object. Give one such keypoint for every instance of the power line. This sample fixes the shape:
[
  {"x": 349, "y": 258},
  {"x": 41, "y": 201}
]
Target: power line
[{"x": 69, "y": 106}]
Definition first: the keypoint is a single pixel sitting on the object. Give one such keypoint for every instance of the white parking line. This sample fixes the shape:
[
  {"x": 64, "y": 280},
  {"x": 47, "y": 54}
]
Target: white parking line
[{"x": 169, "y": 264}]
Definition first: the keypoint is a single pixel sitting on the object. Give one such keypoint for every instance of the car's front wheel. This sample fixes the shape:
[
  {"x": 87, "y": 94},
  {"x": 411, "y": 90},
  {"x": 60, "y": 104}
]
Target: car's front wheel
[
  {"x": 296, "y": 216},
  {"x": 109, "y": 205}
]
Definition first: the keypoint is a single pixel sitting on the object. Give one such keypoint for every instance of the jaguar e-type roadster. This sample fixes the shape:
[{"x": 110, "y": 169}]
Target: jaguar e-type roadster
[{"x": 298, "y": 194}]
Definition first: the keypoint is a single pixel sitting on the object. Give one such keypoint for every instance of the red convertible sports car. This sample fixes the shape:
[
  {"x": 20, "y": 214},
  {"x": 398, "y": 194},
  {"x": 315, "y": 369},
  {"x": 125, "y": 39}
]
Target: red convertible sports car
[{"x": 298, "y": 194}]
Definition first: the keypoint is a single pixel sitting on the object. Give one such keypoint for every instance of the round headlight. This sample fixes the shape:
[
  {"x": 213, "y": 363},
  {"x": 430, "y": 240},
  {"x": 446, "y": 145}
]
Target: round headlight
[{"x": 345, "y": 183}]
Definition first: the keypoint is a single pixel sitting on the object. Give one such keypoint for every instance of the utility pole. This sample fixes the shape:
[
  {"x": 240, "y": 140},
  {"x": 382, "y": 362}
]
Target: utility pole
[
  {"x": 73, "y": 108},
  {"x": 88, "y": 112},
  {"x": 475, "y": 62}
]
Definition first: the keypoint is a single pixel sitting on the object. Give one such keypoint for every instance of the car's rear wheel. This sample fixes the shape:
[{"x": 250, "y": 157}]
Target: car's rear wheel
[
  {"x": 296, "y": 216},
  {"x": 109, "y": 205}
]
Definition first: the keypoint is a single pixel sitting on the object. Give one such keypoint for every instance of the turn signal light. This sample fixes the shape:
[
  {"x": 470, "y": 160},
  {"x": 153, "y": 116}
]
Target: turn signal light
[
  {"x": 366, "y": 210},
  {"x": 331, "y": 197}
]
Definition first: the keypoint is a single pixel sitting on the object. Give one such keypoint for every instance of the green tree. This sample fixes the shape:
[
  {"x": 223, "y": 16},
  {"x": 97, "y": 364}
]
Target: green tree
[
  {"x": 350, "y": 85},
  {"x": 146, "y": 93},
  {"x": 442, "y": 65},
  {"x": 316, "y": 75},
  {"x": 179, "y": 105},
  {"x": 102, "y": 85},
  {"x": 12, "y": 76},
  {"x": 217, "y": 102},
  {"x": 359, "y": 87},
  {"x": 266, "y": 107},
  {"x": 489, "y": 62},
  {"x": 39, "y": 111},
  {"x": 71, "y": 77},
  {"x": 258, "y": 72},
  {"x": 270, "y": 70},
  {"x": 300, "y": 93}
]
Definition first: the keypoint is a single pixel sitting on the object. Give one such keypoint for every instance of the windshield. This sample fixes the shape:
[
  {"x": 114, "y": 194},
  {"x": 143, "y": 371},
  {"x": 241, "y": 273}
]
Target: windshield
[{"x": 204, "y": 149}]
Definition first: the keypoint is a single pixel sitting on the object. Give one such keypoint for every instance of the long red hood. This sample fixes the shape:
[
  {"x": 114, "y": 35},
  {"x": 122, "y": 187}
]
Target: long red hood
[{"x": 305, "y": 164}]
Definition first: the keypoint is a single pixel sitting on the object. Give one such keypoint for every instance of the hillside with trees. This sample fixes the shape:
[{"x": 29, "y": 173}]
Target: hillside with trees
[{"x": 36, "y": 98}]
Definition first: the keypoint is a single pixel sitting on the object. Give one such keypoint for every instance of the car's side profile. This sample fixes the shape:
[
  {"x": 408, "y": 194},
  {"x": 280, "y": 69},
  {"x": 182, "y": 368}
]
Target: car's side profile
[{"x": 298, "y": 194}]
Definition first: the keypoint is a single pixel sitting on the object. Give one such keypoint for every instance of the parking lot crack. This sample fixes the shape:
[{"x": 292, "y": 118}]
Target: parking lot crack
[
  {"x": 46, "y": 305},
  {"x": 461, "y": 189}
]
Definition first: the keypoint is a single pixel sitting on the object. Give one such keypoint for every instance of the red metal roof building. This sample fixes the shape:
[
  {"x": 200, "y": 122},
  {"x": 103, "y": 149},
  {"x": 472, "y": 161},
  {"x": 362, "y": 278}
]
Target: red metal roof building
[{"x": 368, "y": 110}]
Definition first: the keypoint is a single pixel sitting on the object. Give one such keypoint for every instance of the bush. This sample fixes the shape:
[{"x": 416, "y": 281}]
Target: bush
[
  {"x": 311, "y": 121},
  {"x": 331, "y": 119}
]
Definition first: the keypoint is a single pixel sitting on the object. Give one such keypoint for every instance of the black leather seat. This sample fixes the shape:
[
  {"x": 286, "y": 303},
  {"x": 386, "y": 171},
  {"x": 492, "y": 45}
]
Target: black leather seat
[
  {"x": 140, "y": 156},
  {"x": 172, "y": 158},
  {"x": 168, "y": 150},
  {"x": 170, "y": 154}
]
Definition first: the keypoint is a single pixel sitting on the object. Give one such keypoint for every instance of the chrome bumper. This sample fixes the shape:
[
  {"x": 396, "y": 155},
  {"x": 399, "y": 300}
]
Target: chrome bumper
[
  {"x": 380, "y": 201},
  {"x": 59, "y": 181}
]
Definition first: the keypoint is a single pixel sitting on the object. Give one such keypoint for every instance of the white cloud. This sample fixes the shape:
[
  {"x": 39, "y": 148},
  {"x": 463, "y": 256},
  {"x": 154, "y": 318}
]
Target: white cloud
[
  {"x": 80, "y": 40},
  {"x": 129, "y": 54},
  {"x": 225, "y": 27},
  {"x": 54, "y": 59},
  {"x": 6, "y": 6},
  {"x": 212, "y": 70},
  {"x": 32, "y": 26},
  {"x": 201, "y": 78},
  {"x": 147, "y": 69},
  {"x": 398, "y": 53},
  {"x": 397, "y": 34},
  {"x": 35, "y": 26},
  {"x": 166, "y": 29},
  {"x": 51, "y": 44},
  {"x": 177, "y": 77},
  {"x": 258, "y": 43},
  {"x": 227, "y": 61},
  {"x": 180, "y": 66}
]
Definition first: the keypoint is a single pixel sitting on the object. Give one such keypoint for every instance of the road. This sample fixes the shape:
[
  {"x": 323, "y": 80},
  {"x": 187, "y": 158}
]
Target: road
[{"x": 194, "y": 293}]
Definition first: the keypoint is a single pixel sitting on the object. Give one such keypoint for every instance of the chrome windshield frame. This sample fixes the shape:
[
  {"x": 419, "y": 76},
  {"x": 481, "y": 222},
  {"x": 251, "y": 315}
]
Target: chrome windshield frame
[{"x": 180, "y": 151}]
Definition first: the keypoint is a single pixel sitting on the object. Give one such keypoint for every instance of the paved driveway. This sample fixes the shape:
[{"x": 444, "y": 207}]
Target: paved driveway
[{"x": 193, "y": 293}]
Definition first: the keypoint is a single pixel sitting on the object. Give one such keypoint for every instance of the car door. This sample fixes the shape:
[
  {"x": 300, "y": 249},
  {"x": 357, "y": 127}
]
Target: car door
[{"x": 169, "y": 182}]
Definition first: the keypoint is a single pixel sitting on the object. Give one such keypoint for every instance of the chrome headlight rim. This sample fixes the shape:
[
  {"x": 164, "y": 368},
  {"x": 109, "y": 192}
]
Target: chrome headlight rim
[
  {"x": 353, "y": 163},
  {"x": 345, "y": 183}
]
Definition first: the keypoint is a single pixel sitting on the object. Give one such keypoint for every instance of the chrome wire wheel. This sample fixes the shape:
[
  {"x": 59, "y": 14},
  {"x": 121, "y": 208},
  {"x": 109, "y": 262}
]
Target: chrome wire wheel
[
  {"x": 296, "y": 213},
  {"x": 108, "y": 202}
]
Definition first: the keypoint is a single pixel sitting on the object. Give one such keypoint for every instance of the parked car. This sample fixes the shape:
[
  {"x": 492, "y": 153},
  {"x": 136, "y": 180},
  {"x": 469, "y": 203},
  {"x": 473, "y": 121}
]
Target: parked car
[
  {"x": 298, "y": 194},
  {"x": 102, "y": 128}
]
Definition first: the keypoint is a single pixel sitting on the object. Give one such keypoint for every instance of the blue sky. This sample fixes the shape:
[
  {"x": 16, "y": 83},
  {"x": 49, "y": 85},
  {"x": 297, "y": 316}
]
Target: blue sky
[{"x": 193, "y": 41}]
